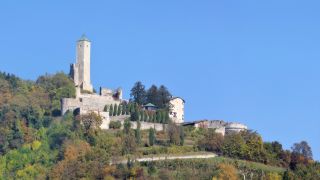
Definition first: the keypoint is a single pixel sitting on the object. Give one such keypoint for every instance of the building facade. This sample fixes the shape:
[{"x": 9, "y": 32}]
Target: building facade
[{"x": 176, "y": 110}]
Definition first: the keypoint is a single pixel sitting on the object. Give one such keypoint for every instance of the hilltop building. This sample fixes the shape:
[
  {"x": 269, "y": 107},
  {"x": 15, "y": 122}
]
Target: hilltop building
[
  {"x": 87, "y": 100},
  {"x": 176, "y": 109}
]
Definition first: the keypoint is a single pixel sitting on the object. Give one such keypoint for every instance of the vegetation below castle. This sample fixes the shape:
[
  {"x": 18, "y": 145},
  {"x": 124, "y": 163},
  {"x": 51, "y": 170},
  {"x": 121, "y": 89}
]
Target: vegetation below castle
[{"x": 36, "y": 143}]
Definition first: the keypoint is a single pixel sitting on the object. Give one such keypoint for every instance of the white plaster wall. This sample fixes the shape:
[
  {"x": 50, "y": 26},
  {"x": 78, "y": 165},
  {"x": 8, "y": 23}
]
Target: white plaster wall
[{"x": 177, "y": 106}]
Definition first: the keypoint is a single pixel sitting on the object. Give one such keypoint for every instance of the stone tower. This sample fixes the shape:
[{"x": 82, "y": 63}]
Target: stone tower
[{"x": 80, "y": 71}]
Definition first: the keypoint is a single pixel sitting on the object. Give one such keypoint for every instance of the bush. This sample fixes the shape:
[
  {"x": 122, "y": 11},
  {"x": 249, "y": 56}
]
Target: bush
[
  {"x": 211, "y": 142},
  {"x": 115, "y": 125}
]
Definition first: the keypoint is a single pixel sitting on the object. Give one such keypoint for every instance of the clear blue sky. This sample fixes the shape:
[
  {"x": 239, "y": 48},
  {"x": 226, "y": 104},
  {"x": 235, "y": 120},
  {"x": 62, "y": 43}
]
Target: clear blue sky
[{"x": 244, "y": 61}]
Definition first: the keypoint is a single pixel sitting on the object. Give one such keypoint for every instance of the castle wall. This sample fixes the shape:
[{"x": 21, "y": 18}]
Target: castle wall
[
  {"x": 235, "y": 127},
  {"x": 144, "y": 125},
  {"x": 69, "y": 104},
  {"x": 87, "y": 102}
]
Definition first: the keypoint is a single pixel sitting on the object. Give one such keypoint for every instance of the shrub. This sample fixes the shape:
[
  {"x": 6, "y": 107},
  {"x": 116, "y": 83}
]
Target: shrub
[
  {"x": 115, "y": 125},
  {"x": 211, "y": 142}
]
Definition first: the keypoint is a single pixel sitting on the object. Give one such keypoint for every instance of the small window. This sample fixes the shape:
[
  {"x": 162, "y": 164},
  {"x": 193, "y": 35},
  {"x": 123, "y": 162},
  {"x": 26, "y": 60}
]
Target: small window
[{"x": 80, "y": 99}]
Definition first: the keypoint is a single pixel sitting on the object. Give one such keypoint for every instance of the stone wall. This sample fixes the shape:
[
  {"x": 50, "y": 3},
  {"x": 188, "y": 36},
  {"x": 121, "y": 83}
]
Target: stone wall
[
  {"x": 235, "y": 127},
  {"x": 119, "y": 118},
  {"x": 144, "y": 125},
  {"x": 87, "y": 102}
]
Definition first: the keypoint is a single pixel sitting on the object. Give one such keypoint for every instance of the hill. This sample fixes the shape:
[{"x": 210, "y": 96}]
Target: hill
[{"x": 37, "y": 143}]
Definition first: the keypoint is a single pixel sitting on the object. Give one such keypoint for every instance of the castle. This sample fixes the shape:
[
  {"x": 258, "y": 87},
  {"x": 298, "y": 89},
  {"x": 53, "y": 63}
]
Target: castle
[{"x": 87, "y": 100}]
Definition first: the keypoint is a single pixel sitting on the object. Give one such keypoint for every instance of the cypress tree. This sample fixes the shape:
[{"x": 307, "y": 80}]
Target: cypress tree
[
  {"x": 167, "y": 118},
  {"x": 141, "y": 116},
  {"x": 111, "y": 110},
  {"x": 152, "y": 137},
  {"x": 134, "y": 116},
  {"x": 106, "y": 108},
  {"x": 115, "y": 110},
  {"x": 154, "y": 117},
  {"x": 123, "y": 109},
  {"x": 158, "y": 116},
  {"x": 163, "y": 116},
  {"x": 138, "y": 133},
  {"x": 145, "y": 116},
  {"x": 119, "y": 110}
]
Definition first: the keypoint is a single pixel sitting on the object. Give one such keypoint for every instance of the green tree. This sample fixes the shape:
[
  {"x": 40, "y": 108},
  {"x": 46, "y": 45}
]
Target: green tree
[
  {"x": 145, "y": 116},
  {"x": 181, "y": 133},
  {"x": 134, "y": 116},
  {"x": 119, "y": 110},
  {"x": 152, "y": 137},
  {"x": 129, "y": 140},
  {"x": 158, "y": 117},
  {"x": 303, "y": 149},
  {"x": 126, "y": 126},
  {"x": 154, "y": 117},
  {"x": 111, "y": 110},
  {"x": 233, "y": 145},
  {"x": 163, "y": 117},
  {"x": 173, "y": 133},
  {"x": 152, "y": 95},
  {"x": 124, "y": 109},
  {"x": 138, "y": 93},
  {"x": 138, "y": 133},
  {"x": 115, "y": 125},
  {"x": 115, "y": 110},
  {"x": 141, "y": 116},
  {"x": 211, "y": 141},
  {"x": 106, "y": 108},
  {"x": 164, "y": 97},
  {"x": 91, "y": 122}
]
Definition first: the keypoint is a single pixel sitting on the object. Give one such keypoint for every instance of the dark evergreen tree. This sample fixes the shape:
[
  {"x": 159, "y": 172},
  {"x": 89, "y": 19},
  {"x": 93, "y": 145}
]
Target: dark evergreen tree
[
  {"x": 126, "y": 126},
  {"x": 154, "y": 117},
  {"x": 152, "y": 137},
  {"x": 106, "y": 108},
  {"x": 164, "y": 97},
  {"x": 119, "y": 110},
  {"x": 145, "y": 116},
  {"x": 152, "y": 95},
  {"x": 115, "y": 110},
  {"x": 111, "y": 110},
  {"x": 123, "y": 109},
  {"x": 166, "y": 117},
  {"x": 134, "y": 116},
  {"x": 138, "y": 133},
  {"x": 158, "y": 117},
  {"x": 138, "y": 93},
  {"x": 128, "y": 108},
  {"x": 141, "y": 116}
]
